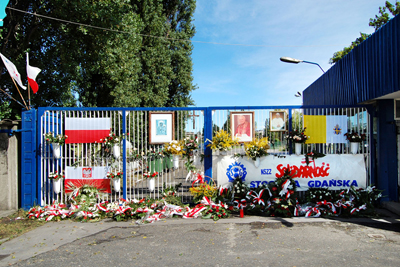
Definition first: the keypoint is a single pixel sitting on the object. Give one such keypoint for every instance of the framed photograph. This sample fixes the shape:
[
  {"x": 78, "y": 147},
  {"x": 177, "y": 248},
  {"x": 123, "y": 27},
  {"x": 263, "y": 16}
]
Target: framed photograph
[
  {"x": 242, "y": 125},
  {"x": 277, "y": 121},
  {"x": 161, "y": 127}
]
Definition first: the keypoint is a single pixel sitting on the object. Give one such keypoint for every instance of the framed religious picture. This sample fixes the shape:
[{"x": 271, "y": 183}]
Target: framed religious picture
[
  {"x": 161, "y": 127},
  {"x": 277, "y": 121},
  {"x": 242, "y": 125}
]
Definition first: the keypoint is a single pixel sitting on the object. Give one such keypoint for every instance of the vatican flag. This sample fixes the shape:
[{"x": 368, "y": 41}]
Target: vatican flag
[{"x": 325, "y": 129}]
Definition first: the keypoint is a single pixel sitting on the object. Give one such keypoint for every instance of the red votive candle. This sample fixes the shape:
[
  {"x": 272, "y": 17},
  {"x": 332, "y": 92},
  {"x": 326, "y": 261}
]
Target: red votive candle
[{"x": 241, "y": 213}]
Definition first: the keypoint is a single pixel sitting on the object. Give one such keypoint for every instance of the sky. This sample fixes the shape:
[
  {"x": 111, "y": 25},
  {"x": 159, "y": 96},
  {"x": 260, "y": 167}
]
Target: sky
[{"x": 248, "y": 72}]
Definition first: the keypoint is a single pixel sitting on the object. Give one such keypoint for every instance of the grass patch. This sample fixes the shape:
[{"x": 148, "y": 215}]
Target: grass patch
[{"x": 11, "y": 227}]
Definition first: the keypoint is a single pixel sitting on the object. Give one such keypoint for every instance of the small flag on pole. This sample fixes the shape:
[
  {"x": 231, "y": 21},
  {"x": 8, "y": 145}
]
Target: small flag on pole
[
  {"x": 32, "y": 72},
  {"x": 13, "y": 71}
]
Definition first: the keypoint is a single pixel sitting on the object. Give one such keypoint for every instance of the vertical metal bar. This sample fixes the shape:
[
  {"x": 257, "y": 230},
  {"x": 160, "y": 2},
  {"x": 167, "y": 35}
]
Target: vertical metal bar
[
  {"x": 208, "y": 135},
  {"x": 124, "y": 152}
]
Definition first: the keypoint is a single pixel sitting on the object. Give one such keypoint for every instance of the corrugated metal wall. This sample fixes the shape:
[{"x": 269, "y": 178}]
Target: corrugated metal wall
[{"x": 370, "y": 70}]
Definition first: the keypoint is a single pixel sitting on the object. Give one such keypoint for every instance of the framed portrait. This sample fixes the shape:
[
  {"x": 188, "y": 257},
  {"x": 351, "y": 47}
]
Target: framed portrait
[
  {"x": 242, "y": 125},
  {"x": 277, "y": 121},
  {"x": 161, "y": 127}
]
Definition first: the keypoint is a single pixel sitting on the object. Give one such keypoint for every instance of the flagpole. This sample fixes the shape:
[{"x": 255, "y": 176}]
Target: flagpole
[
  {"x": 20, "y": 93},
  {"x": 11, "y": 97},
  {"x": 29, "y": 96}
]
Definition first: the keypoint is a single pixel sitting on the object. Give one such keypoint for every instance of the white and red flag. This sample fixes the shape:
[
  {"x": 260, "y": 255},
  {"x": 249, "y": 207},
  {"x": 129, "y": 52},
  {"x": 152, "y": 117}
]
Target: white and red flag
[
  {"x": 32, "y": 72},
  {"x": 86, "y": 130},
  {"x": 13, "y": 71},
  {"x": 76, "y": 177}
]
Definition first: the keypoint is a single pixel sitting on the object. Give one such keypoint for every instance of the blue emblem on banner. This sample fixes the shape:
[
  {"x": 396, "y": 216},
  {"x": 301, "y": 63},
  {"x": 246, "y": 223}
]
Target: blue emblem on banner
[{"x": 236, "y": 170}]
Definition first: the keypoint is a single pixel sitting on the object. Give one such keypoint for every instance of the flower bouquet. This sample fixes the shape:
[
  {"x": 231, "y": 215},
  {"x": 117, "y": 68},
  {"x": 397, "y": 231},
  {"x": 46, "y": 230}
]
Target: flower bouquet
[
  {"x": 116, "y": 178},
  {"x": 298, "y": 137},
  {"x": 110, "y": 144},
  {"x": 189, "y": 145},
  {"x": 56, "y": 142},
  {"x": 216, "y": 212},
  {"x": 202, "y": 190},
  {"x": 355, "y": 139},
  {"x": 174, "y": 148},
  {"x": 150, "y": 180},
  {"x": 222, "y": 141},
  {"x": 256, "y": 149},
  {"x": 56, "y": 178},
  {"x": 58, "y": 139}
]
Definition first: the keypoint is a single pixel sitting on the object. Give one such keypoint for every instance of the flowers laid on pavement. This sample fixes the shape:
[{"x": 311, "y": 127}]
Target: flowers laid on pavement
[
  {"x": 55, "y": 139},
  {"x": 297, "y": 136},
  {"x": 355, "y": 137},
  {"x": 277, "y": 198}
]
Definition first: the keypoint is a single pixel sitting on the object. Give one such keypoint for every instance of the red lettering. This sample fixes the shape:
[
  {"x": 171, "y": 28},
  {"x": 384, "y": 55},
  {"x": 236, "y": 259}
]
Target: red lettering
[{"x": 303, "y": 171}]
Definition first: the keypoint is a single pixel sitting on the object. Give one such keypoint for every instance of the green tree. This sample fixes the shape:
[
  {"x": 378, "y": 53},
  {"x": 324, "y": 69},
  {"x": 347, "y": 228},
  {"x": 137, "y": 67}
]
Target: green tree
[
  {"x": 376, "y": 22},
  {"x": 139, "y": 62},
  {"x": 384, "y": 17}
]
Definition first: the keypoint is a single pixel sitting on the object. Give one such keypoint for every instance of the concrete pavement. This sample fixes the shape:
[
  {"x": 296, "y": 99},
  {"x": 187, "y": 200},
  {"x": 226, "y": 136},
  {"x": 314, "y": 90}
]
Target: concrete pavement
[{"x": 54, "y": 235}]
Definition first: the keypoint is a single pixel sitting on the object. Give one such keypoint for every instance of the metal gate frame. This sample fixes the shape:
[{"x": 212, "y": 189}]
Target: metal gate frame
[{"x": 32, "y": 186}]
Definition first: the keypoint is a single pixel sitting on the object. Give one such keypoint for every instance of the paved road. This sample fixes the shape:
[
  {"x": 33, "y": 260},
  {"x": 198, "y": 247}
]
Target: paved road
[{"x": 251, "y": 241}]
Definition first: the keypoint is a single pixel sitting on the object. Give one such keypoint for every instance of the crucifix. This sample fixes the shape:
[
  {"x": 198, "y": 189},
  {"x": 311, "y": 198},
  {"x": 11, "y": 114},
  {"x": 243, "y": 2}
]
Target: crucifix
[{"x": 193, "y": 115}]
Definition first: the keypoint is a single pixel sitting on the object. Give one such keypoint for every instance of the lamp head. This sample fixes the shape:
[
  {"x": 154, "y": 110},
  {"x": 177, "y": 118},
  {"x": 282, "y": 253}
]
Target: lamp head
[{"x": 290, "y": 60}]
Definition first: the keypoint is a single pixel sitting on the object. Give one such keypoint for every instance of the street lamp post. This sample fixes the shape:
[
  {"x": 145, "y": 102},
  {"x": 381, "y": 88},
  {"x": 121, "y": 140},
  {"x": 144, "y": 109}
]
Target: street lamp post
[{"x": 297, "y": 61}]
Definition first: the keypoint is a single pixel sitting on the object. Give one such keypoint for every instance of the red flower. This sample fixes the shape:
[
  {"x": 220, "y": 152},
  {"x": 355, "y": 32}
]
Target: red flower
[{"x": 274, "y": 188}]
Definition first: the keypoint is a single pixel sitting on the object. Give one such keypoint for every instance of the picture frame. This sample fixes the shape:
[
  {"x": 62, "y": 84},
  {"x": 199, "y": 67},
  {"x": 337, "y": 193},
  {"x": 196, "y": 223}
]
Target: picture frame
[
  {"x": 161, "y": 127},
  {"x": 242, "y": 125},
  {"x": 277, "y": 121}
]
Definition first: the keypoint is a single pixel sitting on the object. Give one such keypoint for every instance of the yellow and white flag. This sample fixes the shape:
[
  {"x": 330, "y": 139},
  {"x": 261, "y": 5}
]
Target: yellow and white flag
[{"x": 325, "y": 129}]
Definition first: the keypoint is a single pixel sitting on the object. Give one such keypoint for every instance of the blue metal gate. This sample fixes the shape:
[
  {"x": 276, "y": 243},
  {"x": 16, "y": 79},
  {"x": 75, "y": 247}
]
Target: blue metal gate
[{"x": 136, "y": 153}]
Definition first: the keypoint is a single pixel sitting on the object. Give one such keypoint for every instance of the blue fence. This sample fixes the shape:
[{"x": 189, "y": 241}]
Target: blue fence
[{"x": 135, "y": 125}]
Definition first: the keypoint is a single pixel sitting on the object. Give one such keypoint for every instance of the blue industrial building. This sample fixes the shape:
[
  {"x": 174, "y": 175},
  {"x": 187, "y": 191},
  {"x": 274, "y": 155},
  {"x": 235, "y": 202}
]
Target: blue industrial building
[{"x": 370, "y": 75}]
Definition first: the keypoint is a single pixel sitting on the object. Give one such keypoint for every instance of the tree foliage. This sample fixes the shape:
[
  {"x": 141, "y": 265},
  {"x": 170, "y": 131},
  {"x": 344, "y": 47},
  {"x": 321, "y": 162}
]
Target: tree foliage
[
  {"x": 376, "y": 22},
  {"x": 138, "y": 56}
]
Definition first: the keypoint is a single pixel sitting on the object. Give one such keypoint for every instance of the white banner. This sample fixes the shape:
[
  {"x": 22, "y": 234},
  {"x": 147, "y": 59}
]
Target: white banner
[{"x": 333, "y": 171}]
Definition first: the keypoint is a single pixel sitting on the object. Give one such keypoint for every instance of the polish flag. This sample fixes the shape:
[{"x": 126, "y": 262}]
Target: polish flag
[
  {"x": 32, "y": 72},
  {"x": 13, "y": 71},
  {"x": 86, "y": 130},
  {"x": 76, "y": 177}
]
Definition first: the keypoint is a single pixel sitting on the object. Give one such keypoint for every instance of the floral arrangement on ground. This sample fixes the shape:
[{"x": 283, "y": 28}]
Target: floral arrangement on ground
[{"x": 277, "y": 199}]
